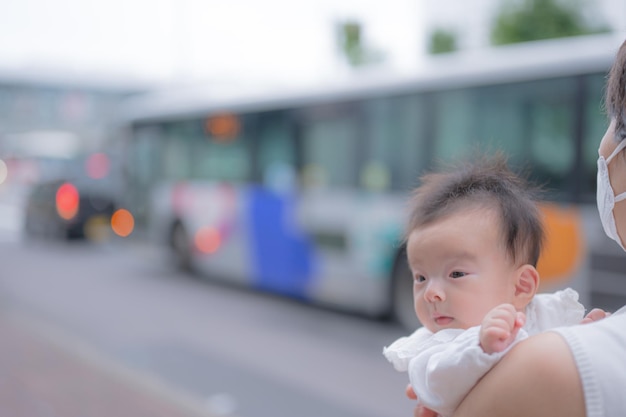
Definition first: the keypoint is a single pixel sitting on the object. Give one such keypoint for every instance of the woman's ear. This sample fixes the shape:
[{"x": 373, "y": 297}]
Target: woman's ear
[{"x": 526, "y": 285}]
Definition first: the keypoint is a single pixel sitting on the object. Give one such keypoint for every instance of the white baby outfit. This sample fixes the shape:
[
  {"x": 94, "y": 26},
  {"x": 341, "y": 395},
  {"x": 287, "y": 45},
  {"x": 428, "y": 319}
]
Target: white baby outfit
[{"x": 444, "y": 366}]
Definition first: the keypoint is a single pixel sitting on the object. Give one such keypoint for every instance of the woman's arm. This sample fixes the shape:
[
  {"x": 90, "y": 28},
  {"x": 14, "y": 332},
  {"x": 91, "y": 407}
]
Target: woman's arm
[
  {"x": 452, "y": 362},
  {"x": 538, "y": 377}
]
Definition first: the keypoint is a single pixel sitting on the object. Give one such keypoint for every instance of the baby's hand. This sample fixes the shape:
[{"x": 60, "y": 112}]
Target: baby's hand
[
  {"x": 595, "y": 315},
  {"x": 499, "y": 328}
]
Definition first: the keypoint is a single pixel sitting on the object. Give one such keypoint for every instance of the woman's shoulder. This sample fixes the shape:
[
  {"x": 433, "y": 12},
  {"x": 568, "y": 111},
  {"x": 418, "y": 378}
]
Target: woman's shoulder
[
  {"x": 598, "y": 349},
  {"x": 538, "y": 376}
]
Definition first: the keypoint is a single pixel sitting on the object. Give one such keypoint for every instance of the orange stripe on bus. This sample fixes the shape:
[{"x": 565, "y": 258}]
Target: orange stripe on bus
[{"x": 565, "y": 245}]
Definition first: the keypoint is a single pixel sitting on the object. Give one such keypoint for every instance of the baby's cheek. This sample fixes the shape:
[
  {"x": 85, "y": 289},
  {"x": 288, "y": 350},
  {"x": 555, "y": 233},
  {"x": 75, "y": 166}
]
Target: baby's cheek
[
  {"x": 422, "y": 313},
  {"x": 475, "y": 316}
]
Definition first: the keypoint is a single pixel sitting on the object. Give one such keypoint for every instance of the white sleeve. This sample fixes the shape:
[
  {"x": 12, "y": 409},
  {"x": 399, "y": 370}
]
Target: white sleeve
[
  {"x": 442, "y": 374},
  {"x": 400, "y": 352},
  {"x": 550, "y": 310}
]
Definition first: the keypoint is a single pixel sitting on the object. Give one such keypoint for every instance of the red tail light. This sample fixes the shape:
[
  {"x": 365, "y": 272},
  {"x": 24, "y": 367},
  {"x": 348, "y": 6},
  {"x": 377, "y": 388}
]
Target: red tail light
[{"x": 67, "y": 200}]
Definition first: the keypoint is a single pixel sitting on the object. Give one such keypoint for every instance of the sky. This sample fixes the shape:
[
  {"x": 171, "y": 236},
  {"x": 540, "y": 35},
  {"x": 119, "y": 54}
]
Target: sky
[
  {"x": 229, "y": 41},
  {"x": 165, "y": 40}
]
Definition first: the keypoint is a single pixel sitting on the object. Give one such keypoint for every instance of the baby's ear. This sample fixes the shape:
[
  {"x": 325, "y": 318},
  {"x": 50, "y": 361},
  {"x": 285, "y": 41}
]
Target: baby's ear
[{"x": 526, "y": 285}]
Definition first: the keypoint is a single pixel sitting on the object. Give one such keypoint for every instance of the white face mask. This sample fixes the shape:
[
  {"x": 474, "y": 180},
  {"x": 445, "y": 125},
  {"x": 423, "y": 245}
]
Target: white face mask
[{"x": 606, "y": 199}]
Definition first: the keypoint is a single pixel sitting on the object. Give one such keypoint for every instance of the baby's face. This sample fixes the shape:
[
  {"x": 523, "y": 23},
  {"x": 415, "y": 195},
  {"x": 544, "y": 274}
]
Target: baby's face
[{"x": 460, "y": 269}]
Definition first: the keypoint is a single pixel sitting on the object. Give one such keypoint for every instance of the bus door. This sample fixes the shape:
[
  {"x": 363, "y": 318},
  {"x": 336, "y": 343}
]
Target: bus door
[
  {"x": 328, "y": 136},
  {"x": 280, "y": 253}
]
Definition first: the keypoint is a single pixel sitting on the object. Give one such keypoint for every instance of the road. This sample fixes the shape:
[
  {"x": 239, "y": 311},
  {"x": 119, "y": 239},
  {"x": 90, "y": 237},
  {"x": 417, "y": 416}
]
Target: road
[{"x": 238, "y": 352}]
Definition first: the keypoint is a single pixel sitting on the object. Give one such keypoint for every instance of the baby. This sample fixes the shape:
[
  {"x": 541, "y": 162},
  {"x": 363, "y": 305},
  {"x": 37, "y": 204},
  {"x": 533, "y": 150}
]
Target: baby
[{"x": 474, "y": 238}]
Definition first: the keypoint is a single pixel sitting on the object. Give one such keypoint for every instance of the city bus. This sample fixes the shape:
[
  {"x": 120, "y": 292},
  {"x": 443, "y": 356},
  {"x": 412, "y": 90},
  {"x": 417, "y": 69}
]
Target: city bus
[{"x": 303, "y": 191}]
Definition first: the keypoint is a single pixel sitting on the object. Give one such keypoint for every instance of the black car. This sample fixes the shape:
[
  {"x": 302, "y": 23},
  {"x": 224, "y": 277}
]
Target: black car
[{"x": 70, "y": 207}]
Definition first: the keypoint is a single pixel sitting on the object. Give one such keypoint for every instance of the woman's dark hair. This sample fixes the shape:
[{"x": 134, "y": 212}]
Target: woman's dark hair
[
  {"x": 487, "y": 182},
  {"x": 615, "y": 99}
]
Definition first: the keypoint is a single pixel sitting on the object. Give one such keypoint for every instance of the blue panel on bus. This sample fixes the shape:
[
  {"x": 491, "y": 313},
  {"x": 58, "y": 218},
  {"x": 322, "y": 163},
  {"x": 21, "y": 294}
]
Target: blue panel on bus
[{"x": 281, "y": 255}]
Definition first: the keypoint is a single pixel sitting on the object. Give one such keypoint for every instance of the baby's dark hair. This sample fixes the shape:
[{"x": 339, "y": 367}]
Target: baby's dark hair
[{"x": 485, "y": 183}]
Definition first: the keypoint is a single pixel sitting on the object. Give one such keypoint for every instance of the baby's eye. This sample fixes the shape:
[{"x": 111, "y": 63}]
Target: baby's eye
[
  {"x": 457, "y": 274},
  {"x": 419, "y": 278}
]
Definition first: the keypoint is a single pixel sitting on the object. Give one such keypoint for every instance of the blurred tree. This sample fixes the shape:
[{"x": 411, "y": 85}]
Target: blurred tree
[
  {"x": 352, "y": 46},
  {"x": 528, "y": 20},
  {"x": 442, "y": 41}
]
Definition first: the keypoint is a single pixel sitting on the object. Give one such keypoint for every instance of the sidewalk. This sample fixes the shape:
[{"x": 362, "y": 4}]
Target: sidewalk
[{"x": 43, "y": 374}]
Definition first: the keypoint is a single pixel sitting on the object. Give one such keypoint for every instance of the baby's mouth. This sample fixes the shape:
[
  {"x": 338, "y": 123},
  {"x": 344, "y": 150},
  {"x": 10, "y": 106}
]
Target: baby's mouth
[{"x": 443, "y": 320}]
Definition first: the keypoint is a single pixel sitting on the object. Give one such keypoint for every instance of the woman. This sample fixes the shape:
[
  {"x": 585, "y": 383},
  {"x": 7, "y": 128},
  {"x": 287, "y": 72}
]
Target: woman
[{"x": 581, "y": 370}]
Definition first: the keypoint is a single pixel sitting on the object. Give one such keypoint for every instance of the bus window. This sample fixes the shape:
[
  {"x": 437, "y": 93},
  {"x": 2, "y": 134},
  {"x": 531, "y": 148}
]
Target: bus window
[
  {"x": 224, "y": 158},
  {"x": 276, "y": 151},
  {"x": 533, "y": 123},
  {"x": 187, "y": 152},
  {"x": 551, "y": 133},
  {"x": 551, "y": 147},
  {"x": 455, "y": 113},
  {"x": 330, "y": 152},
  {"x": 144, "y": 155},
  {"x": 228, "y": 161},
  {"x": 143, "y": 165},
  {"x": 499, "y": 122},
  {"x": 396, "y": 146},
  {"x": 478, "y": 119},
  {"x": 177, "y": 147}
]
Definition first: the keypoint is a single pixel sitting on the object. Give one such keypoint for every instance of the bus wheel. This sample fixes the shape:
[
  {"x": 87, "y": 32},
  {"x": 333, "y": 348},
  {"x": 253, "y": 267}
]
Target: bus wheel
[
  {"x": 181, "y": 247},
  {"x": 403, "y": 308}
]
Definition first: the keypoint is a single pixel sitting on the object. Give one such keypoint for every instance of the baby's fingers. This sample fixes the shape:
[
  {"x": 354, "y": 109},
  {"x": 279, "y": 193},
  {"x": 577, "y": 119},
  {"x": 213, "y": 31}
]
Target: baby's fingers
[
  {"x": 494, "y": 339},
  {"x": 421, "y": 411},
  {"x": 505, "y": 312},
  {"x": 410, "y": 393},
  {"x": 595, "y": 315},
  {"x": 496, "y": 333},
  {"x": 505, "y": 321}
]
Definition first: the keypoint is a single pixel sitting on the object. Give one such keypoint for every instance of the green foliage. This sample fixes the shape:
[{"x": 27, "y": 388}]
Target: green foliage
[
  {"x": 528, "y": 20},
  {"x": 352, "y": 46},
  {"x": 442, "y": 41},
  {"x": 351, "y": 42}
]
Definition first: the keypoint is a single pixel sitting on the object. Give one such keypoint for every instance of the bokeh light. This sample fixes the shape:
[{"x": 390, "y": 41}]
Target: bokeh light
[
  {"x": 122, "y": 222},
  {"x": 97, "y": 166},
  {"x": 68, "y": 201},
  {"x": 208, "y": 240},
  {"x": 223, "y": 127},
  {"x": 97, "y": 228}
]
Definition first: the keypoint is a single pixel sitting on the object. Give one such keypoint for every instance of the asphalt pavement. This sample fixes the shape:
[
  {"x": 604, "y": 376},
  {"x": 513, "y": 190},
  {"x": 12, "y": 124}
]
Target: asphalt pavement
[{"x": 44, "y": 373}]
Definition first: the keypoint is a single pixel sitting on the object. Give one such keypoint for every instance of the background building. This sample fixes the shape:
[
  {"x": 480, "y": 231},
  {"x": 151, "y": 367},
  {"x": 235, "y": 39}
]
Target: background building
[{"x": 44, "y": 114}]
